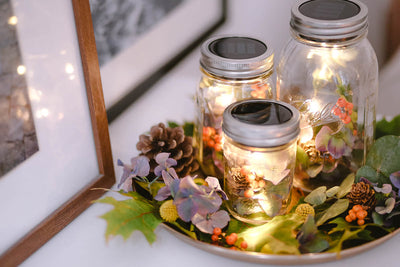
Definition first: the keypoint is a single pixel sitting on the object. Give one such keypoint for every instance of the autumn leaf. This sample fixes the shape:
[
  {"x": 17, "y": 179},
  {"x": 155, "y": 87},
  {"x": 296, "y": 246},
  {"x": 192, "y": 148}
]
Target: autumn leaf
[
  {"x": 135, "y": 213},
  {"x": 275, "y": 237}
]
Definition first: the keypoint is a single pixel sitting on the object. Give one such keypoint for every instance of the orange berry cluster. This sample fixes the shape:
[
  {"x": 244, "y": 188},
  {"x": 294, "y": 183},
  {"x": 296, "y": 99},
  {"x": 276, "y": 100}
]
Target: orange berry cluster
[
  {"x": 357, "y": 213},
  {"x": 259, "y": 90},
  {"x": 212, "y": 139},
  {"x": 254, "y": 180},
  {"x": 343, "y": 110},
  {"x": 220, "y": 238}
]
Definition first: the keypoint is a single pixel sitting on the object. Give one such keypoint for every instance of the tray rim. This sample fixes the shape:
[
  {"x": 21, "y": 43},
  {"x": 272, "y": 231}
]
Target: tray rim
[{"x": 262, "y": 258}]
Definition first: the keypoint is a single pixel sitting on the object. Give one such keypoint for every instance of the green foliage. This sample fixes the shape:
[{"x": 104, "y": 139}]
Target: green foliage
[
  {"x": 134, "y": 213},
  {"x": 346, "y": 185},
  {"x": 334, "y": 210},
  {"x": 310, "y": 239},
  {"x": 344, "y": 233},
  {"x": 346, "y": 91},
  {"x": 277, "y": 236},
  {"x": 382, "y": 160},
  {"x": 383, "y": 127},
  {"x": 317, "y": 196},
  {"x": 188, "y": 127}
]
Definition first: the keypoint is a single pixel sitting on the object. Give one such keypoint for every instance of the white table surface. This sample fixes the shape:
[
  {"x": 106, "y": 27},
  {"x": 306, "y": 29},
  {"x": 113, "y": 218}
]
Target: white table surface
[{"x": 82, "y": 243}]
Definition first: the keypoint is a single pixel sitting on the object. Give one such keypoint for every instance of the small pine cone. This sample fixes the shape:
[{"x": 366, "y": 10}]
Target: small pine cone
[
  {"x": 312, "y": 152},
  {"x": 362, "y": 194},
  {"x": 173, "y": 141},
  {"x": 237, "y": 182}
]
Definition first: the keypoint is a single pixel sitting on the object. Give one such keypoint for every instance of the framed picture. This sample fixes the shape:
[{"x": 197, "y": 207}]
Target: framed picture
[
  {"x": 45, "y": 192},
  {"x": 138, "y": 41}
]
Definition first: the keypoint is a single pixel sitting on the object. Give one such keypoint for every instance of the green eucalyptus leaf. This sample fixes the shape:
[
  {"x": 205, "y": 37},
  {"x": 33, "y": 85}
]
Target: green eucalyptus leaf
[
  {"x": 369, "y": 173},
  {"x": 314, "y": 170},
  {"x": 385, "y": 154},
  {"x": 317, "y": 196},
  {"x": 332, "y": 191},
  {"x": 346, "y": 185},
  {"x": 334, "y": 210},
  {"x": 383, "y": 127}
]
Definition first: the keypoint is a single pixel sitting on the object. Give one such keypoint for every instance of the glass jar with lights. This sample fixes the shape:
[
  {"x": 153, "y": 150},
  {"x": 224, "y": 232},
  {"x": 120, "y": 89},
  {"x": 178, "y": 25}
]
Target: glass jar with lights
[
  {"x": 259, "y": 158},
  {"x": 232, "y": 68},
  {"x": 328, "y": 70}
]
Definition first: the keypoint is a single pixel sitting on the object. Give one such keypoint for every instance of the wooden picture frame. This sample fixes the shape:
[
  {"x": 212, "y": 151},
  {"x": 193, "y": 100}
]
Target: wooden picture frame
[
  {"x": 134, "y": 70},
  {"x": 81, "y": 200}
]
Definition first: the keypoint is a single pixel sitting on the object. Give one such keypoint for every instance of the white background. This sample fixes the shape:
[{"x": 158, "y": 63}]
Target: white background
[{"x": 82, "y": 243}]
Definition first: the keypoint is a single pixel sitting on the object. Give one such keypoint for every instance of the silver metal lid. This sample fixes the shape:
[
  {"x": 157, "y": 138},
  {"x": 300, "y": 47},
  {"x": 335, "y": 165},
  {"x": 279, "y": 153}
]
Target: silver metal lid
[
  {"x": 261, "y": 122},
  {"x": 236, "y": 57},
  {"x": 329, "y": 19}
]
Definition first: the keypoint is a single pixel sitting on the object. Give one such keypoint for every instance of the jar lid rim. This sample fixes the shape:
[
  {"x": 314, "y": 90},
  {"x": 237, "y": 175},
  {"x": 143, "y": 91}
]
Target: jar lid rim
[
  {"x": 261, "y": 135},
  {"x": 235, "y": 68},
  {"x": 327, "y": 29}
]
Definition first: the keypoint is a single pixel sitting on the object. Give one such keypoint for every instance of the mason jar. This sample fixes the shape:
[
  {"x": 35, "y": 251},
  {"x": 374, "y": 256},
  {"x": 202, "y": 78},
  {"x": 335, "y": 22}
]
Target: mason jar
[
  {"x": 259, "y": 158},
  {"x": 328, "y": 70},
  {"x": 232, "y": 68}
]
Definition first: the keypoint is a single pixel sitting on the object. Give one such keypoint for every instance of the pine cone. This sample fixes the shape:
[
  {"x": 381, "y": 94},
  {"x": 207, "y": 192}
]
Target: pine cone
[
  {"x": 312, "y": 152},
  {"x": 362, "y": 194},
  {"x": 173, "y": 141}
]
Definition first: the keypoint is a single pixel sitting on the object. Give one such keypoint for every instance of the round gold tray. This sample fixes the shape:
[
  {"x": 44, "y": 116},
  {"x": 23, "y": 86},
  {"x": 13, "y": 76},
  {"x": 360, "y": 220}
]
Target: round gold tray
[{"x": 256, "y": 257}]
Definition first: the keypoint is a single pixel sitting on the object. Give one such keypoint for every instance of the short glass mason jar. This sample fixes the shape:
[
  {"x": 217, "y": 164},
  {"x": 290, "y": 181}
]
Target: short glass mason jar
[
  {"x": 232, "y": 68},
  {"x": 329, "y": 71},
  {"x": 259, "y": 158}
]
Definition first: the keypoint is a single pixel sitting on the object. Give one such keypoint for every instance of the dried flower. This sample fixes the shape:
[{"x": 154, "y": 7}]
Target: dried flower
[
  {"x": 164, "y": 167},
  {"x": 191, "y": 198},
  {"x": 139, "y": 167},
  {"x": 168, "y": 211},
  {"x": 395, "y": 179},
  {"x": 304, "y": 210},
  {"x": 337, "y": 144},
  {"x": 389, "y": 205},
  {"x": 207, "y": 223}
]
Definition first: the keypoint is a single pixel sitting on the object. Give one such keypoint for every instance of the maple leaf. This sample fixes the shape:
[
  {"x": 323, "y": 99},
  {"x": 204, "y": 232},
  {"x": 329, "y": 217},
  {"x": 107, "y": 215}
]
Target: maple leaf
[{"x": 135, "y": 213}]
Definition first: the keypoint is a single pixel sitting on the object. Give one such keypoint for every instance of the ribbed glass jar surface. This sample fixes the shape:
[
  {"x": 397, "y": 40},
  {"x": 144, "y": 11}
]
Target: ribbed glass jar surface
[
  {"x": 329, "y": 71},
  {"x": 259, "y": 158},
  {"x": 232, "y": 68}
]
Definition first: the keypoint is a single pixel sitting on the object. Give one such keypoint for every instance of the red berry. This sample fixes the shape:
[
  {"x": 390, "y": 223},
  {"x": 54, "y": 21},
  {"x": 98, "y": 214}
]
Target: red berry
[
  {"x": 231, "y": 239},
  {"x": 214, "y": 238},
  {"x": 217, "y": 231},
  {"x": 243, "y": 245},
  {"x": 357, "y": 208},
  {"x": 347, "y": 119}
]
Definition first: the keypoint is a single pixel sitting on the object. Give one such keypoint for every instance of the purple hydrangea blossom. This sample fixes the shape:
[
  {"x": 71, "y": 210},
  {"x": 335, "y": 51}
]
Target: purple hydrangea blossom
[
  {"x": 191, "y": 198},
  {"x": 139, "y": 167},
  {"x": 337, "y": 144},
  {"x": 164, "y": 167},
  {"x": 395, "y": 179},
  {"x": 213, "y": 184},
  {"x": 385, "y": 189},
  {"x": 207, "y": 223},
  {"x": 389, "y": 206}
]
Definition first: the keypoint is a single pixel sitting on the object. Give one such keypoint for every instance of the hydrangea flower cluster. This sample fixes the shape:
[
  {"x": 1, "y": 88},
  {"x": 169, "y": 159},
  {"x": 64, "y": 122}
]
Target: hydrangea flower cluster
[{"x": 199, "y": 204}]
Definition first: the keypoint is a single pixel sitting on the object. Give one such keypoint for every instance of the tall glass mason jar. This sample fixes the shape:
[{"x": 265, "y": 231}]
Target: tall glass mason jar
[
  {"x": 232, "y": 68},
  {"x": 328, "y": 70},
  {"x": 259, "y": 158}
]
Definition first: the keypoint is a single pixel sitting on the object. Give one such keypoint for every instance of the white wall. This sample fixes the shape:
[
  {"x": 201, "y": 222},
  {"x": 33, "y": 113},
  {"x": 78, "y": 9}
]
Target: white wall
[{"x": 269, "y": 19}]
